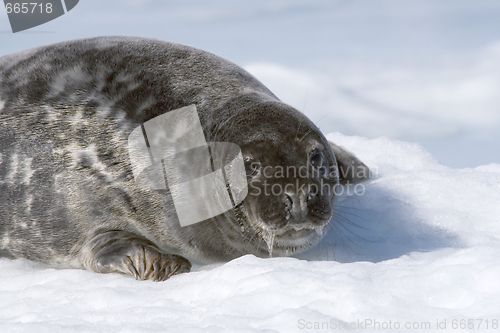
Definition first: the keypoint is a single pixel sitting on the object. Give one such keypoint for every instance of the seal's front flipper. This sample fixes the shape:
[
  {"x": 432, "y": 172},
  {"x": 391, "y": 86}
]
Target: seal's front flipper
[
  {"x": 118, "y": 251},
  {"x": 351, "y": 169}
]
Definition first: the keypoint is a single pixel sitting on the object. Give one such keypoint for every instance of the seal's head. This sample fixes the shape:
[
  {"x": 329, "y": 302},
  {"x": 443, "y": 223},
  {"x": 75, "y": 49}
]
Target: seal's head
[
  {"x": 291, "y": 186},
  {"x": 291, "y": 170}
]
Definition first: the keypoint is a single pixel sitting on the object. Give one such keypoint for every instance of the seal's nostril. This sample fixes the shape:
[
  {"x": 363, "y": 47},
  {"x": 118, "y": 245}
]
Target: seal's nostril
[
  {"x": 287, "y": 200},
  {"x": 295, "y": 206}
]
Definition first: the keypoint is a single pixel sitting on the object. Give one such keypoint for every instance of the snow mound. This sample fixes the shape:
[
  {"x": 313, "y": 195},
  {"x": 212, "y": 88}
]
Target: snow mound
[
  {"x": 451, "y": 107},
  {"x": 417, "y": 249}
]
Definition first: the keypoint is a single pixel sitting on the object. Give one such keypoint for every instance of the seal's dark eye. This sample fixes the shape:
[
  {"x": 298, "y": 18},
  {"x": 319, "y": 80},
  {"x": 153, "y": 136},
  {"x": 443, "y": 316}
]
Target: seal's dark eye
[
  {"x": 252, "y": 166},
  {"x": 319, "y": 162},
  {"x": 316, "y": 158}
]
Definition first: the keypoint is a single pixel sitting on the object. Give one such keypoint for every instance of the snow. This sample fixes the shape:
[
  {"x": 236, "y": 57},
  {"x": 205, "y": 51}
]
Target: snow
[
  {"x": 413, "y": 88},
  {"x": 420, "y": 245}
]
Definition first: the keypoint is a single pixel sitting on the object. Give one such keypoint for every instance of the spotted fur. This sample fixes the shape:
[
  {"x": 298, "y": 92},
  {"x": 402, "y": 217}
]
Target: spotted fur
[{"x": 67, "y": 193}]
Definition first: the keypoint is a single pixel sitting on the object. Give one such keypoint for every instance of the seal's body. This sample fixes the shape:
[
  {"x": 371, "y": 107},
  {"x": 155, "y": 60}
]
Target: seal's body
[{"x": 67, "y": 192}]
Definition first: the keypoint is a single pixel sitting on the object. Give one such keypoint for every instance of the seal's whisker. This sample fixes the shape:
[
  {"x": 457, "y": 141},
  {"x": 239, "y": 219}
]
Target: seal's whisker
[
  {"x": 345, "y": 238},
  {"x": 348, "y": 210},
  {"x": 308, "y": 131},
  {"x": 338, "y": 215},
  {"x": 298, "y": 129}
]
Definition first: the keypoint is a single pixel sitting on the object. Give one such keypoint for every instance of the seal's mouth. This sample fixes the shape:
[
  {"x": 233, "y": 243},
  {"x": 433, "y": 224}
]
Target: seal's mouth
[
  {"x": 283, "y": 236},
  {"x": 290, "y": 239},
  {"x": 297, "y": 230}
]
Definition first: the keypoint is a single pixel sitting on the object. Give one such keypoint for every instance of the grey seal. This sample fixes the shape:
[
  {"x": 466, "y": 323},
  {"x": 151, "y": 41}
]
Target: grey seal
[{"x": 68, "y": 197}]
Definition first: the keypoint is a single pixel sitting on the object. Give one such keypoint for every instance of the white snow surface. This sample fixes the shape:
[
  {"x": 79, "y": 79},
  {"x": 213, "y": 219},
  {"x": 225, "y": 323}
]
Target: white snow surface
[
  {"x": 420, "y": 249},
  {"x": 419, "y": 246}
]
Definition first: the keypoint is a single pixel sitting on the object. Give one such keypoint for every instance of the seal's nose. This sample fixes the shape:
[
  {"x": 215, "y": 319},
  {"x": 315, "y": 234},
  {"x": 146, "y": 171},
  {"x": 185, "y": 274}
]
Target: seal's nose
[{"x": 296, "y": 205}]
